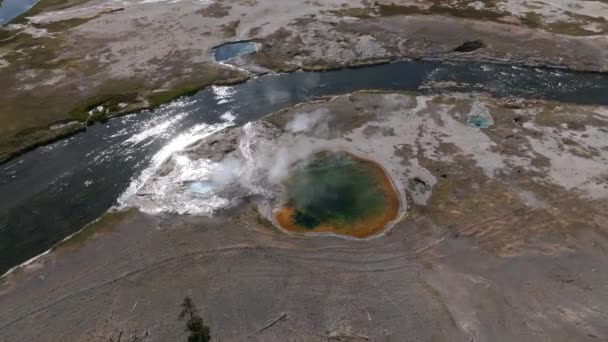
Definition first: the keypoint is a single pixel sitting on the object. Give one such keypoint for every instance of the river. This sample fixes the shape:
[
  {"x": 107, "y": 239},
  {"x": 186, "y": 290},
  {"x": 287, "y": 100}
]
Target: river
[{"x": 10, "y": 9}]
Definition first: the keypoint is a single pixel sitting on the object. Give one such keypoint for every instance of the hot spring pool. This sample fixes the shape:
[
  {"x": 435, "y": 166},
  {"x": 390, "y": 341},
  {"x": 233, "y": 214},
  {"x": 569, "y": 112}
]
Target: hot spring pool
[
  {"x": 338, "y": 193},
  {"x": 230, "y": 50}
]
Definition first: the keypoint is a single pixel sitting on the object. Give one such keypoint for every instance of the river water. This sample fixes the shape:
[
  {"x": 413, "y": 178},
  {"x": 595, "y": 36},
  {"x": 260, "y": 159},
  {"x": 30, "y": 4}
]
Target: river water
[
  {"x": 10, "y": 9},
  {"x": 51, "y": 192}
]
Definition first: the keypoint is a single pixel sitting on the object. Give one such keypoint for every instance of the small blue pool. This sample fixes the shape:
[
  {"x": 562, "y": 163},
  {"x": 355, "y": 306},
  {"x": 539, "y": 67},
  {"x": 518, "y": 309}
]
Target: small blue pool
[{"x": 231, "y": 50}]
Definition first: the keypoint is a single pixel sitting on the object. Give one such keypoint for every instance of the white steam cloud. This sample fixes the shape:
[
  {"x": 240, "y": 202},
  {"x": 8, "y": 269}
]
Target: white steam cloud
[
  {"x": 242, "y": 161},
  {"x": 309, "y": 122}
]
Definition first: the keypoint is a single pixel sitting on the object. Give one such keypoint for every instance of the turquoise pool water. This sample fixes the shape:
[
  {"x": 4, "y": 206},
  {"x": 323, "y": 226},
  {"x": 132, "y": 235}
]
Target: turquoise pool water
[{"x": 231, "y": 50}]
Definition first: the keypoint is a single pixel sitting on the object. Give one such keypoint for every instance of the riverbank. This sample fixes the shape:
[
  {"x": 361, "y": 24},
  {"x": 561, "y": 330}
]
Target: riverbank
[
  {"x": 504, "y": 221},
  {"x": 85, "y": 61}
]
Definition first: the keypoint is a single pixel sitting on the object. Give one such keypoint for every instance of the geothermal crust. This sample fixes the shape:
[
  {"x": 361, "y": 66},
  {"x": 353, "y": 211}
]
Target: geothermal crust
[
  {"x": 504, "y": 237},
  {"x": 252, "y": 161}
]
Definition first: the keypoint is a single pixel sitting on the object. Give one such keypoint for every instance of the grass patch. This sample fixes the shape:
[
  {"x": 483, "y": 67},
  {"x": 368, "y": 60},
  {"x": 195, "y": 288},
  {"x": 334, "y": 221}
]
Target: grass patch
[
  {"x": 393, "y": 10},
  {"x": 28, "y": 52},
  {"x": 212, "y": 75},
  {"x": 64, "y": 25},
  {"x": 47, "y": 6},
  {"x": 158, "y": 98},
  {"x": 468, "y": 12},
  {"x": 270, "y": 61},
  {"x": 532, "y": 19},
  {"x": 436, "y": 8},
  {"x": 110, "y": 103},
  {"x": 574, "y": 27},
  {"x": 15, "y": 145},
  {"x": 215, "y": 10},
  {"x": 278, "y": 59},
  {"x": 355, "y": 12},
  {"x": 229, "y": 29},
  {"x": 570, "y": 28},
  {"x": 6, "y": 34},
  {"x": 440, "y": 198},
  {"x": 320, "y": 65}
]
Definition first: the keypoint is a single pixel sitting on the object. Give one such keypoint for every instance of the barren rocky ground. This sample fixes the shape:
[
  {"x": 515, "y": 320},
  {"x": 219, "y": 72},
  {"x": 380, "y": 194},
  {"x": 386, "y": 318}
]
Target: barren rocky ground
[{"x": 503, "y": 237}]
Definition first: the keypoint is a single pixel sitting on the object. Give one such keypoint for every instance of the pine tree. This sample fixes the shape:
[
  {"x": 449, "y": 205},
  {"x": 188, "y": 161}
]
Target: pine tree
[{"x": 199, "y": 332}]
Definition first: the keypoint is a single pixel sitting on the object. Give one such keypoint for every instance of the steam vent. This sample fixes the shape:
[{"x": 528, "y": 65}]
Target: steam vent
[{"x": 338, "y": 193}]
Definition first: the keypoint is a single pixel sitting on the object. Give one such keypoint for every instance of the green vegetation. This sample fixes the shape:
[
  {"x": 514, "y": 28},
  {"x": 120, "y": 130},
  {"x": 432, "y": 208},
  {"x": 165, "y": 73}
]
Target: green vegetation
[
  {"x": 570, "y": 28},
  {"x": 321, "y": 65},
  {"x": 466, "y": 12},
  {"x": 215, "y": 10},
  {"x": 109, "y": 103},
  {"x": 436, "y": 8},
  {"x": 26, "y": 115},
  {"x": 158, "y": 98},
  {"x": 214, "y": 75},
  {"x": 64, "y": 25},
  {"x": 573, "y": 27},
  {"x": 229, "y": 29},
  {"x": 270, "y": 61},
  {"x": 14, "y": 145},
  {"x": 440, "y": 200},
  {"x": 199, "y": 332},
  {"x": 355, "y": 12},
  {"x": 279, "y": 61},
  {"x": 76, "y": 87},
  {"x": 48, "y": 5},
  {"x": 532, "y": 19},
  {"x": 28, "y": 52},
  {"x": 5, "y": 34}
]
